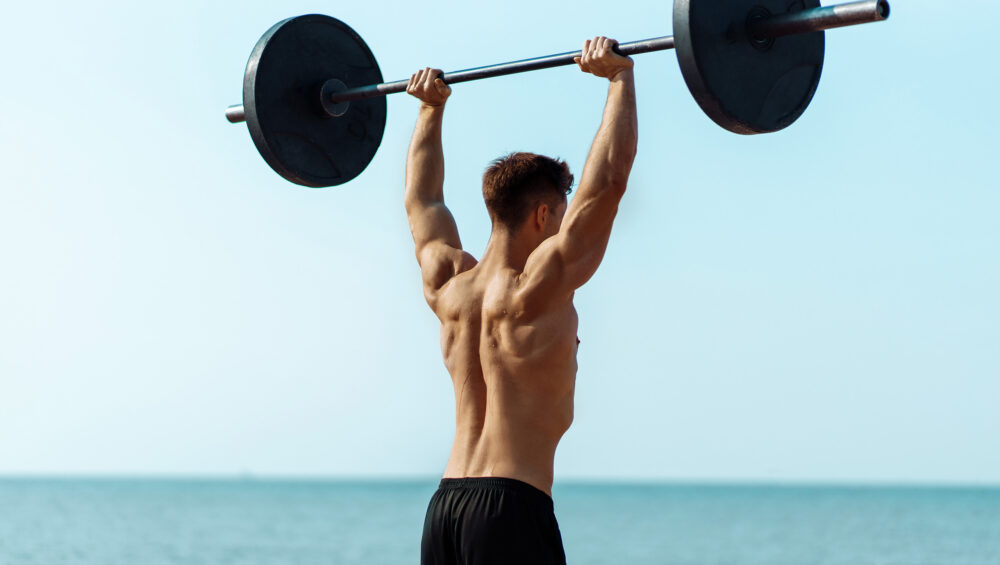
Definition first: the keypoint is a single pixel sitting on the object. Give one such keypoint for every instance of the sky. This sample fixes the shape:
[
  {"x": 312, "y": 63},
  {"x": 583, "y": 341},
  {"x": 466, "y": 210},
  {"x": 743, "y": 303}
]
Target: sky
[{"x": 819, "y": 304}]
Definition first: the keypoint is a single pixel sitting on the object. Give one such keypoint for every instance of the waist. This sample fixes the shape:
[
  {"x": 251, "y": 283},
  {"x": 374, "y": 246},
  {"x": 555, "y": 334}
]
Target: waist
[{"x": 497, "y": 484}]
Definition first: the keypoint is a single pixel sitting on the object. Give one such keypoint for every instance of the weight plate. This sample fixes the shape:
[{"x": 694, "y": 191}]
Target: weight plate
[
  {"x": 281, "y": 97},
  {"x": 745, "y": 85}
]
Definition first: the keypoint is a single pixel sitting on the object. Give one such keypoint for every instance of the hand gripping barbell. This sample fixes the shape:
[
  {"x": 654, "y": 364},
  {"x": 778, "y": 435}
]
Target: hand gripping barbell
[{"x": 314, "y": 100}]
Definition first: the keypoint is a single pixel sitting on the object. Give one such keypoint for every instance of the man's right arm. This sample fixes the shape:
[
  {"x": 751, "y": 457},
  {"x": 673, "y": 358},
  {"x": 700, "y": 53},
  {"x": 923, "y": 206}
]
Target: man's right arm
[
  {"x": 572, "y": 256},
  {"x": 435, "y": 233}
]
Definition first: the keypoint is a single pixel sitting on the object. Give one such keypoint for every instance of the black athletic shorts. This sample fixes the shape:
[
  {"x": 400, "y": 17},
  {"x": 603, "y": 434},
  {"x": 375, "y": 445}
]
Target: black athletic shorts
[{"x": 478, "y": 521}]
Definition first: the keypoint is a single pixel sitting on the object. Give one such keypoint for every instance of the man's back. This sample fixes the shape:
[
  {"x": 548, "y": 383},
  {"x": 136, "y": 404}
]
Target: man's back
[
  {"x": 513, "y": 366},
  {"x": 508, "y": 326}
]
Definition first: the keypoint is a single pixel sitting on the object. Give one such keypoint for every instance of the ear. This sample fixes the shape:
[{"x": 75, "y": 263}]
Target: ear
[{"x": 541, "y": 216}]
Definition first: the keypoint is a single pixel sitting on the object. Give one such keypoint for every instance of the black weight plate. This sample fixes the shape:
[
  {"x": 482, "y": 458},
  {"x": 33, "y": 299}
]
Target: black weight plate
[
  {"x": 746, "y": 86},
  {"x": 281, "y": 97}
]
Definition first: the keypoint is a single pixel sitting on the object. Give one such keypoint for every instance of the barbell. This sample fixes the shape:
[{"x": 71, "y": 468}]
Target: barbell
[{"x": 314, "y": 100}]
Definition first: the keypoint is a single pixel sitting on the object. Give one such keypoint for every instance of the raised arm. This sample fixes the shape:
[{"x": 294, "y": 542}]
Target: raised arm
[
  {"x": 567, "y": 260},
  {"x": 435, "y": 234}
]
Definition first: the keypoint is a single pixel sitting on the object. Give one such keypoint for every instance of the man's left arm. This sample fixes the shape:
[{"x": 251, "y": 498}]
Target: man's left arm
[{"x": 435, "y": 233}]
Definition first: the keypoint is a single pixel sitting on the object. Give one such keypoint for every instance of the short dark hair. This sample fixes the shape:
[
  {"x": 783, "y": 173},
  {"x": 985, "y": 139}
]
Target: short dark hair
[{"x": 515, "y": 184}]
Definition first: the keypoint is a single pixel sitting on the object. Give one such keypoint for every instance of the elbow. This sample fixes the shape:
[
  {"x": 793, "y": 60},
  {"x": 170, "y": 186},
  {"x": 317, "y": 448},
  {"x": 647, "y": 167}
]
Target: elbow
[
  {"x": 410, "y": 203},
  {"x": 414, "y": 202},
  {"x": 625, "y": 171},
  {"x": 620, "y": 167},
  {"x": 617, "y": 181},
  {"x": 411, "y": 211},
  {"x": 628, "y": 155},
  {"x": 618, "y": 185},
  {"x": 614, "y": 180}
]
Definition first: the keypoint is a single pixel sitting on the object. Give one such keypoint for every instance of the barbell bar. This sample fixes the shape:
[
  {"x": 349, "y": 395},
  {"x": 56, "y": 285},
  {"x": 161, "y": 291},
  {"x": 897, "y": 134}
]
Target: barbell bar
[{"x": 752, "y": 65}]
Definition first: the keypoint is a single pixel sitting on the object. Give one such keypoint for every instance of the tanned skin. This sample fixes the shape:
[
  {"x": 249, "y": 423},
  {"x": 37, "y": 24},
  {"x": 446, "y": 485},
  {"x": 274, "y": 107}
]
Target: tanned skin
[{"x": 508, "y": 325}]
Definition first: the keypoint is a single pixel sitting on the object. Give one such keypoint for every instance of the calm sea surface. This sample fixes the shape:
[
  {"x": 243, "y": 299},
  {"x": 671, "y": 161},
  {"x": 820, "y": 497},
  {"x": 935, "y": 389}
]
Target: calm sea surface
[{"x": 111, "y": 522}]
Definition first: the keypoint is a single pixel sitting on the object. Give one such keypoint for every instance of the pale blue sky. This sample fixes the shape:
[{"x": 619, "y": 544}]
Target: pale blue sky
[{"x": 818, "y": 304}]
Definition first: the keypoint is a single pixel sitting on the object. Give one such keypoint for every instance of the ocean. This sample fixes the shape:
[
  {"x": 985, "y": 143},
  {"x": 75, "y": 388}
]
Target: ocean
[{"x": 258, "y": 522}]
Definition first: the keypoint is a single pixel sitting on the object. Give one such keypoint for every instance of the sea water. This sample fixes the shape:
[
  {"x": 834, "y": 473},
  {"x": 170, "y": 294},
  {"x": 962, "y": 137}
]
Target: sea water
[{"x": 257, "y": 522}]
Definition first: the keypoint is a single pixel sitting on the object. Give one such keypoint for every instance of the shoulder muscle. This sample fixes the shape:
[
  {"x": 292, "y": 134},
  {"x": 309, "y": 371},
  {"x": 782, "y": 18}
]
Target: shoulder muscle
[{"x": 439, "y": 263}]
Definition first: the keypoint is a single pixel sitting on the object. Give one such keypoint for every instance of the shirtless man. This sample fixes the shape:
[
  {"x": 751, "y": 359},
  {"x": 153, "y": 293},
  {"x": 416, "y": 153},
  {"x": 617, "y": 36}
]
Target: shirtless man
[{"x": 508, "y": 326}]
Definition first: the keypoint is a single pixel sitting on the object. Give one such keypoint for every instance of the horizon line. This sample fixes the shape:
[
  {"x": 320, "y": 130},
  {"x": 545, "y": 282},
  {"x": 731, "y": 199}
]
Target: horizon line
[{"x": 251, "y": 477}]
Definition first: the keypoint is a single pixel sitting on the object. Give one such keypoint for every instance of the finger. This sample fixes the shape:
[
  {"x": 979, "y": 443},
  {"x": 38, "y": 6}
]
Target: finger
[
  {"x": 432, "y": 75},
  {"x": 428, "y": 82}
]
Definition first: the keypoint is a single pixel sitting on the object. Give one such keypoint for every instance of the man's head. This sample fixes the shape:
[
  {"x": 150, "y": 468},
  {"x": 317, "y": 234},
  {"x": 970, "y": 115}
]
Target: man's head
[{"x": 527, "y": 190}]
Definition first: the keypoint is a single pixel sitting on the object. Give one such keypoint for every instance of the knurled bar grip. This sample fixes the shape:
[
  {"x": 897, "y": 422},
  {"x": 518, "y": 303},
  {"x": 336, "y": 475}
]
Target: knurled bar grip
[
  {"x": 524, "y": 65},
  {"x": 805, "y": 21}
]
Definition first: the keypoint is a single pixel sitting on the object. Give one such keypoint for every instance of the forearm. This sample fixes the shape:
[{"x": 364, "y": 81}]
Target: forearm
[
  {"x": 611, "y": 155},
  {"x": 425, "y": 159}
]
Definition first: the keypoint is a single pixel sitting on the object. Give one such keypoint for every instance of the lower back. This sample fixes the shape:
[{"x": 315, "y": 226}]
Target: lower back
[{"x": 525, "y": 417}]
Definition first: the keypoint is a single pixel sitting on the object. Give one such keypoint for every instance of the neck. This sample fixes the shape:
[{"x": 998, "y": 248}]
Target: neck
[{"x": 507, "y": 249}]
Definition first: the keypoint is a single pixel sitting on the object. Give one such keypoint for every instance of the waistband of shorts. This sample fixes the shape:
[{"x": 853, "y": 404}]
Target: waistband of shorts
[{"x": 496, "y": 483}]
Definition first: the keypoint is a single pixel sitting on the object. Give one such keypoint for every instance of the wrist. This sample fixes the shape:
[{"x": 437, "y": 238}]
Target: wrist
[
  {"x": 426, "y": 106},
  {"x": 624, "y": 74}
]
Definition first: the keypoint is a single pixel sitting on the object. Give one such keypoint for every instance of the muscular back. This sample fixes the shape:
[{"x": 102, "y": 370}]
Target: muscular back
[
  {"x": 508, "y": 326},
  {"x": 513, "y": 367}
]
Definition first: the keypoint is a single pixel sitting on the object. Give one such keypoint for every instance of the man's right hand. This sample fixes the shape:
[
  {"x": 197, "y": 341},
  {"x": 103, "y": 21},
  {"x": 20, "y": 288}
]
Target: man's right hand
[
  {"x": 427, "y": 85},
  {"x": 598, "y": 58}
]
